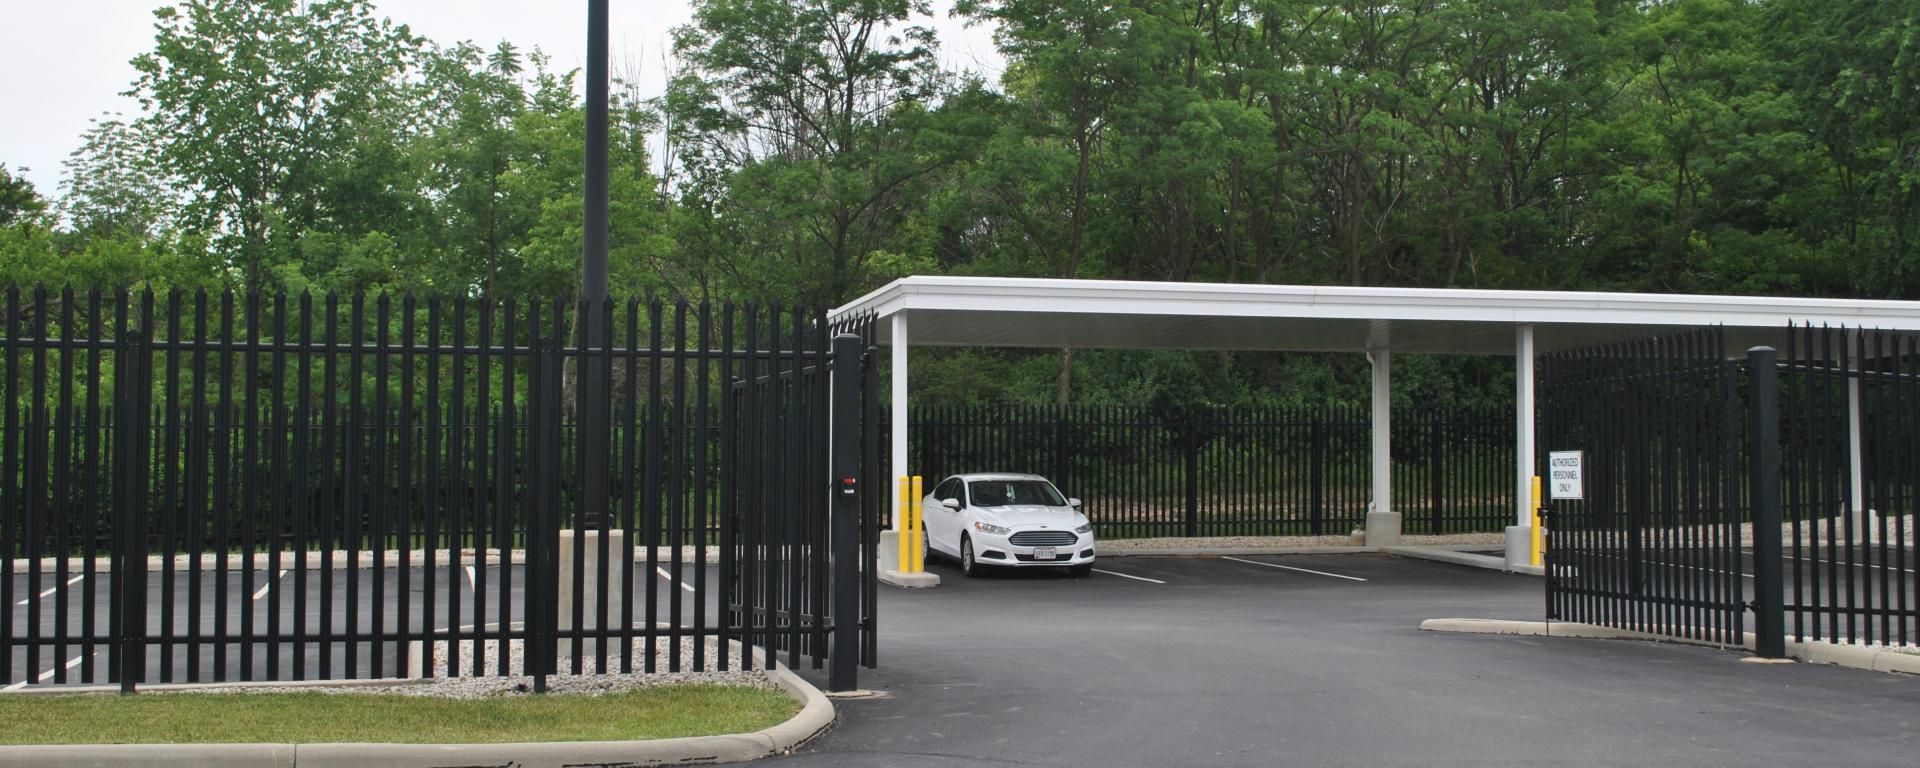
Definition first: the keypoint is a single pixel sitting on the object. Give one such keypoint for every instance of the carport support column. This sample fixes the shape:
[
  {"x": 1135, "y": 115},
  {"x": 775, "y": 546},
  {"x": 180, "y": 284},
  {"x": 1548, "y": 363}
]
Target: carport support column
[
  {"x": 1383, "y": 524},
  {"x": 897, "y": 444},
  {"x": 1520, "y": 534}
]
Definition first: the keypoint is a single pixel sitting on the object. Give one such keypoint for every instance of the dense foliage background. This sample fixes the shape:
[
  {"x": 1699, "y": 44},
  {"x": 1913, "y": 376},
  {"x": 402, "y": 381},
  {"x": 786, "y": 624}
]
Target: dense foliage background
[{"x": 809, "y": 150}]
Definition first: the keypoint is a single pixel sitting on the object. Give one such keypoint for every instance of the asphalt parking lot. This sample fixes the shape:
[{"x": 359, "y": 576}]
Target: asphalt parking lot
[{"x": 1317, "y": 660}]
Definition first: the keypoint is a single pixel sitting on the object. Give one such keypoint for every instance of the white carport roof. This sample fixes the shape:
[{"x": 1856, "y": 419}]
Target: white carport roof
[
  {"x": 1028, "y": 312},
  {"x": 1087, "y": 314}
]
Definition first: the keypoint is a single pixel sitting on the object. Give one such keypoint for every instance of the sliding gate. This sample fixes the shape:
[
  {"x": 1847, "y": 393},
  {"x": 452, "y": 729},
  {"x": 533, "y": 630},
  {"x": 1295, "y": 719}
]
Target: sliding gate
[
  {"x": 205, "y": 488},
  {"x": 1653, "y": 541}
]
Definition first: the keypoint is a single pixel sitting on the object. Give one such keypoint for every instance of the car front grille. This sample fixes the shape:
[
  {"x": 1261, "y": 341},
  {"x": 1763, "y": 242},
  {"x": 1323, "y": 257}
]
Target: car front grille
[
  {"x": 1063, "y": 558},
  {"x": 1044, "y": 539}
]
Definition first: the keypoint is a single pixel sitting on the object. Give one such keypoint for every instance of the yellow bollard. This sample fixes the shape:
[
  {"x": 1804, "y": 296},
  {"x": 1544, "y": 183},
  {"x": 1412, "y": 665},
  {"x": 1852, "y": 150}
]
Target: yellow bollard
[
  {"x": 1539, "y": 535},
  {"x": 906, "y": 522},
  {"x": 917, "y": 529}
]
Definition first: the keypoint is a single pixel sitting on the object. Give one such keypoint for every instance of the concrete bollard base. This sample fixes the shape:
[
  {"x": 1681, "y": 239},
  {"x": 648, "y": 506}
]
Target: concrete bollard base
[
  {"x": 919, "y": 580},
  {"x": 1383, "y": 529},
  {"x": 589, "y": 588}
]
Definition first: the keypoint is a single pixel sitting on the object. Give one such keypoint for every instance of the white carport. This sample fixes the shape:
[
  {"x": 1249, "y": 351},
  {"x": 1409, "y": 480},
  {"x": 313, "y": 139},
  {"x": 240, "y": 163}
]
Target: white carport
[{"x": 1095, "y": 314}]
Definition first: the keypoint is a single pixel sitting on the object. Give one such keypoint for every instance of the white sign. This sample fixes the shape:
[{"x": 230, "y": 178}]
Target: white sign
[{"x": 1563, "y": 475}]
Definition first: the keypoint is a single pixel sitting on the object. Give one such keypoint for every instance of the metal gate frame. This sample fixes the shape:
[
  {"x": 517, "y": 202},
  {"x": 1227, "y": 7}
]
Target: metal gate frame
[{"x": 1655, "y": 544}]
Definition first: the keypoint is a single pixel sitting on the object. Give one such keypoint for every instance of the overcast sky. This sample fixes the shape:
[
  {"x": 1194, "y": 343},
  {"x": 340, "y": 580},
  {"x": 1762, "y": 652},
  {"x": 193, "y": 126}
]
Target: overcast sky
[{"x": 64, "y": 62}]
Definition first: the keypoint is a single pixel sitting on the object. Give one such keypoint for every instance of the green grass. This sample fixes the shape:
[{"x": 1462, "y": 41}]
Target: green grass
[{"x": 178, "y": 718}]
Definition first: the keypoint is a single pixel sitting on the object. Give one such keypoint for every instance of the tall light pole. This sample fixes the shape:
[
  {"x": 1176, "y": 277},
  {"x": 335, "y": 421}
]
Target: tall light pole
[{"x": 593, "y": 274}]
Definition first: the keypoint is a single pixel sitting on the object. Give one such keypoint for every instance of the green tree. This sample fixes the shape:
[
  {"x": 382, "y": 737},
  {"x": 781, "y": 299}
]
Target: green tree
[
  {"x": 20, "y": 203},
  {"x": 113, "y": 186},
  {"x": 800, "y": 122},
  {"x": 253, "y": 102}
]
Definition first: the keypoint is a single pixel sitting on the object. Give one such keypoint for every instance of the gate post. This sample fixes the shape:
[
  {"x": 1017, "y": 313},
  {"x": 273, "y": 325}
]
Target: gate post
[
  {"x": 541, "y": 657},
  {"x": 1769, "y": 609},
  {"x": 132, "y": 389},
  {"x": 845, "y": 486}
]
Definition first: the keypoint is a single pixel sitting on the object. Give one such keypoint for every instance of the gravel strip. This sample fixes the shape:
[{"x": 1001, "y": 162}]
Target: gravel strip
[{"x": 517, "y": 683}]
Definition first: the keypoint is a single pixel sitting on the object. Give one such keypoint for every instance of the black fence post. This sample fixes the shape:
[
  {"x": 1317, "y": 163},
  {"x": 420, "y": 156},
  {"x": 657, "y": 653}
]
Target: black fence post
[
  {"x": 845, "y": 487},
  {"x": 132, "y": 389},
  {"x": 1060, "y": 447},
  {"x": 1316, "y": 468},
  {"x": 1769, "y": 609},
  {"x": 1436, "y": 452},
  {"x": 1193, "y": 480},
  {"x": 543, "y": 531}
]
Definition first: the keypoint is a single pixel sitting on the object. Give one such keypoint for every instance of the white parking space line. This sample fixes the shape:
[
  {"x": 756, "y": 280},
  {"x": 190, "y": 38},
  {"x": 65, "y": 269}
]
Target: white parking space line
[
  {"x": 1127, "y": 575},
  {"x": 48, "y": 675},
  {"x": 683, "y": 584},
  {"x": 1291, "y": 568},
  {"x": 51, "y": 590},
  {"x": 470, "y": 577},
  {"x": 1665, "y": 564},
  {"x": 15, "y": 686},
  {"x": 1845, "y": 564},
  {"x": 268, "y": 587}
]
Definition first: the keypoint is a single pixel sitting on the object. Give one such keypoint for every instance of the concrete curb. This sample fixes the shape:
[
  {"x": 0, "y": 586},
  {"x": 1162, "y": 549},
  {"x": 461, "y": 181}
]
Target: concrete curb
[
  {"x": 1812, "y": 652},
  {"x": 1208, "y": 551},
  {"x": 816, "y": 715},
  {"x": 1855, "y": 656},
  {"x": 1455, "y": 554},
  {"x": 1457, "y": 557}
]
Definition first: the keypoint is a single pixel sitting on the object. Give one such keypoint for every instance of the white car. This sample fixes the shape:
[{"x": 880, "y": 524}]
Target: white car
[{"x": 1019, "y": 521}]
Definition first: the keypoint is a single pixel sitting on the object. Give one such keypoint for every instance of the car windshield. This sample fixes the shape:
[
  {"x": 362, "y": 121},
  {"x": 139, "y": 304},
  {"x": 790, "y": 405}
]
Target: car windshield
[{"x": 1002, "y": 493}]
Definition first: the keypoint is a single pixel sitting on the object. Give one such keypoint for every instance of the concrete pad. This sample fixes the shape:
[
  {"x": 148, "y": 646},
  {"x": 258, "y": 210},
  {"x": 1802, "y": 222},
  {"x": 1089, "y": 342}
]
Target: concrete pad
[
  {"x": 1213, "y": 551},
  {"x": 1560, "y": 629},
  {"x": 1856, "y": 656},
  {"x": 920, "y": 580},
  {"x": 1471, "y": 559},
  {"x": 1813, "y": 652}
]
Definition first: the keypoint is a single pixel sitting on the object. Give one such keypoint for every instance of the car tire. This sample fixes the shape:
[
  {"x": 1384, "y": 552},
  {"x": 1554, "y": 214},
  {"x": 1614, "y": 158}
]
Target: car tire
[
  {"x": 926, "y": 547},
  {"x": 968, "y": 566},
  {"x": 1081, "y": 571}
]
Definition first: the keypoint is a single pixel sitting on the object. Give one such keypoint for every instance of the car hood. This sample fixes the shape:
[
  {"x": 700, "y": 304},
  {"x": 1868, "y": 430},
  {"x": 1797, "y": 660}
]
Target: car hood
[{"x": 1019, "y": 515}]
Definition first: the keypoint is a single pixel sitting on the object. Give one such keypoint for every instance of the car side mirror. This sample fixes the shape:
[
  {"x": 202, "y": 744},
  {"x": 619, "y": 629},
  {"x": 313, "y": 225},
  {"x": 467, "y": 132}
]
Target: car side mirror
[
  {"x": 1075, "y": 503},
  {"x": 950, "y": 503}
]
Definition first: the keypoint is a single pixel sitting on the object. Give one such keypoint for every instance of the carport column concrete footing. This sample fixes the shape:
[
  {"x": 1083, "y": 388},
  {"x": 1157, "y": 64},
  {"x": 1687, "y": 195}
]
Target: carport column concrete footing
[
  {"x": 589, "y": 588},
  {"x": 1520, "y": 534},
  {"x": 1383, "y": 524},
  {"x": 897, "y": 444}
]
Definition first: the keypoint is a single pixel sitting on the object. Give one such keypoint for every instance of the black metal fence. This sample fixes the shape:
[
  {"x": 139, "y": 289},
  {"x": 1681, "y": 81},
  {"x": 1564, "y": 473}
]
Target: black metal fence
[
  {"x": 1848, "y": 533},
  {"x": 1655, "y": 543},
  {"x": 206, "y": 488},
  {"x": 1238, "y": 472},
  {"x": 1796, "y": 470}
]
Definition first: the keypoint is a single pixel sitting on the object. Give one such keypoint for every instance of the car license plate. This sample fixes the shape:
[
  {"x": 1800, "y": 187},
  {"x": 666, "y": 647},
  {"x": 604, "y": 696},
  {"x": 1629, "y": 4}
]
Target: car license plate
[{"x": 1043, "y": 553}]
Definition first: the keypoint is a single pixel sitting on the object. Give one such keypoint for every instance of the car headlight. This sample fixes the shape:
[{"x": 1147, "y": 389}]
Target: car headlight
[
  {"x": 988, "y": 528},
  {"x": 1088, "y": 528}
]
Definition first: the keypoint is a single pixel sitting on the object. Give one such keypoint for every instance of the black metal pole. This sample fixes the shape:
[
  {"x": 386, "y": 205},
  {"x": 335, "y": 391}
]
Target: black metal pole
[
  {"x": 846, "y": 481},
  {"x": 593, "y": 278},
  {"x": 1769, "y": 609},
  {"x": 594, "y": 421}
]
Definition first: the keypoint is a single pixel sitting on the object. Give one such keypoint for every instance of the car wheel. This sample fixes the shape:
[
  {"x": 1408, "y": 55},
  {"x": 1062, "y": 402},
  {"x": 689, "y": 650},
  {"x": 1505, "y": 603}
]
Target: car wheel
[
  {"x": 926, "y": 547},
  {"x": 1081, "y": 571},
  {"x": 967, "y": 564}
]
